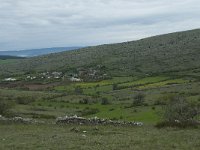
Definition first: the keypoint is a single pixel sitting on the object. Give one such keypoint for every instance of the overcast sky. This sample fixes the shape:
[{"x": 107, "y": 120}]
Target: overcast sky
[{"x": 26, "y": 24}]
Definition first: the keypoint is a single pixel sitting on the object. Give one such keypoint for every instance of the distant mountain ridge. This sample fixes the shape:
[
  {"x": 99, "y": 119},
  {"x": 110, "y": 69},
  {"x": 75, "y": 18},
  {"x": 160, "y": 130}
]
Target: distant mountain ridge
[
  {"x": 4, "y": 57},
  {"x": 36, "y": 52}
]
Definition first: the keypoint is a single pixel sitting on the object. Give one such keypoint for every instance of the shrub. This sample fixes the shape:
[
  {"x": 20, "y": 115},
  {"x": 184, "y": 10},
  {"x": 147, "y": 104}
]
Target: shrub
[
  {"x": 160, "y": 102},
  {"x": 115, "y": 87},
  {"x": 111, "y": 109},
  {"x": 163, "y": 100},
  {"x": 114, "y": 118},
  {"x": 24, "y": 100},
  {"x": 180, "y": 112},
  {"x": 178, "y": 108},
  {"x": 84, "y": 101},
  {"x": 184, "y": 124},
  {"x": 78, "y": 90},
  {"x": 5, "y": 106},
  {"x": 39, "y": 104},
  {"x": 104, "y": 101},
  {"x": 138, "y": 99}
]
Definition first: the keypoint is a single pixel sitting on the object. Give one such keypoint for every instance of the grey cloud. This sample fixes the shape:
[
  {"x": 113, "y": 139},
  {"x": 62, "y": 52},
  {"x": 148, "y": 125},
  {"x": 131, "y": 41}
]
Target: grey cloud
[{"x": 43, "y": 23}]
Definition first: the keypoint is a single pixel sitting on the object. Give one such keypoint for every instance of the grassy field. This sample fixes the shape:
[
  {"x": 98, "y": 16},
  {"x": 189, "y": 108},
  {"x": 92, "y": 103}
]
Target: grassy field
[
  {"x": 52, "y": 137},
  {"x": 7, "y": 61},
  {"x": 63, "y": 100}
]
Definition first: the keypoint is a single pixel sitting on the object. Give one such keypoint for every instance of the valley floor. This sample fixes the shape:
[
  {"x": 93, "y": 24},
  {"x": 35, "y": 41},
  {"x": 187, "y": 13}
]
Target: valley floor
[{"x": 109, "y": 99}]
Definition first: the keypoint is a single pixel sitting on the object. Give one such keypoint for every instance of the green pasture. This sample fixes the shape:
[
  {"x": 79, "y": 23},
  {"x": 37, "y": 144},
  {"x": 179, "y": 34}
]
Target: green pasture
[
  {"x": 7, "y": 61},
  {"x": 47, "y": 136}
]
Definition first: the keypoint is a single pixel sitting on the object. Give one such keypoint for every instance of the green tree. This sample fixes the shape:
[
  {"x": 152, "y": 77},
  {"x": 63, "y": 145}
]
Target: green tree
[{"x": 138, "y": 99}]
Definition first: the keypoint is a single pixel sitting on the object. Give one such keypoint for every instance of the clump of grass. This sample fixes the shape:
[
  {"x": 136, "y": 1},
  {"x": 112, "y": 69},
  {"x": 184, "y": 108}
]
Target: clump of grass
[
  {"x": 42, "y": 116},
  {"x": 24, "y": 100},
  {"x": 111, "y": 109},
  {"x": 62, "y": 106},
  {"x": 184, "y": 124},
  {"x": 90, "y": 111}
]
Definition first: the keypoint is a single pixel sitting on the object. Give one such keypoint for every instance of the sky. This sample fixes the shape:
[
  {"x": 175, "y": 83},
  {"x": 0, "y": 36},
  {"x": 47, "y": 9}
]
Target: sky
[{"x": 28, "y": 24}]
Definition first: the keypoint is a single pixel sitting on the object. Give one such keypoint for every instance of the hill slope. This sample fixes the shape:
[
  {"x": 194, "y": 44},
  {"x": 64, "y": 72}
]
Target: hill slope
[{"x": 165, "y": 53}]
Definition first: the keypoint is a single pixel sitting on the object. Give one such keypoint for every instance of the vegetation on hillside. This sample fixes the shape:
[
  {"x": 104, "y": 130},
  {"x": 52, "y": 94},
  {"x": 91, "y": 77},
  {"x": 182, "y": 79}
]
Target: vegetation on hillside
[{"x": 174, "y": 52}]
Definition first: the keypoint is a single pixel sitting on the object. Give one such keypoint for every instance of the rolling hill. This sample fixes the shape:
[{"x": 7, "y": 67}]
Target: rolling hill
[{"x": 174, "y": 52}]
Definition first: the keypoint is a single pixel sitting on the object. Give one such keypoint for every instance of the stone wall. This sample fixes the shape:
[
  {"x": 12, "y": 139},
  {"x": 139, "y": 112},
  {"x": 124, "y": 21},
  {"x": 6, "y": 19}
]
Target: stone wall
[{"x": 94, "y": 121}]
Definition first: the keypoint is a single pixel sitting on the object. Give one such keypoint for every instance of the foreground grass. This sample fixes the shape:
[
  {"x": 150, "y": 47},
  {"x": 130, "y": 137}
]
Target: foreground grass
[{"x": 106, "y": 137}]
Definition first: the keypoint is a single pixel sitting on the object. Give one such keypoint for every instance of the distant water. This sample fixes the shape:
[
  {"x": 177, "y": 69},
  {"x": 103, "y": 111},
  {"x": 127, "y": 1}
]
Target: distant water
[{"x": 37, "y": 52}]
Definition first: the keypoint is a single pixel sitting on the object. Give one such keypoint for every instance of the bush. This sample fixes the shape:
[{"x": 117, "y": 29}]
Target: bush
[
  {"x": 5, "y": 107},
  {"x": 138, "y": 99},
  {"x": 104, "y": 101},
  {"x": 39, "y": 104},
  {"x": 78, "y": 90},
  {"x": 24, "y": 100},
  {"x": 111, "y": 109},
  {"x": 84, "y": 101},
  {"x": 115, "y": 87},
  {"x": 160, "y": 102},
  {"x": 180, "y": 112},
  {"x": 178, "y": 108},
  {"x": 163, "y": 100}
]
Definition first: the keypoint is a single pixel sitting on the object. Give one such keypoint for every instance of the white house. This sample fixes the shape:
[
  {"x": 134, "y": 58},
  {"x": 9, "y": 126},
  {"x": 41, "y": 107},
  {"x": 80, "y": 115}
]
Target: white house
[
  {"x": 73, "y": 79},
  {"x": 10, "y": 79}
]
